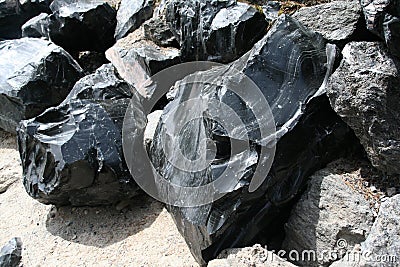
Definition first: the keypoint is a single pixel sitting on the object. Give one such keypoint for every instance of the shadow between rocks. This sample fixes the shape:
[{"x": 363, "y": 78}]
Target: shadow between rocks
[{"x": 103, "y": 226}]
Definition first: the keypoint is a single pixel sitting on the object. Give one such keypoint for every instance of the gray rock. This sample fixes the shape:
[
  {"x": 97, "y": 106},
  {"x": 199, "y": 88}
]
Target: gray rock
[
  {"x": 34, "y": 74},
  {"x": 131, "y": 14},
  {"x": 327, "y": 212},
  {"x": 255, "y": 256},
  {"x": 364, "y": 92},
  {"x": 158, "y": 31},
  {"x": 37, "y": 27},
  {"x": 137, "y": 59},
  {"x": 271, "y": 10},
  {"x": 214, "y": 30},
  {"x": 82, "y": 25},
  {"x": 10, "y": 254},
  {"x": 72, "y": 154},
  {"x": 336, "y": 21},
  {"x": 383, "y": 19},
  {"x": 384, "y": 237}
]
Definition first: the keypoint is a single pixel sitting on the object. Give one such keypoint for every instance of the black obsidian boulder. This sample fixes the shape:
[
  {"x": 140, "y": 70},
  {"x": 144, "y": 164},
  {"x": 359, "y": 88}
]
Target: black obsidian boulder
[
  {"x": 82, "y": 25},
  {"x": 289, "y": 66},
  {"x": 34, "y": 74},
  {"x": 72, "y": 154},
  {"x": 10, "y": 254},
  {"x": 214, "y": 30},
  {"x": 37, "y": 27},
  {"x": 14, "y": 13}
]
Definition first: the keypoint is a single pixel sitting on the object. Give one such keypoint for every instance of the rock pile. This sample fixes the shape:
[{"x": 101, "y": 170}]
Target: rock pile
[{"x": 329, "y": 73}]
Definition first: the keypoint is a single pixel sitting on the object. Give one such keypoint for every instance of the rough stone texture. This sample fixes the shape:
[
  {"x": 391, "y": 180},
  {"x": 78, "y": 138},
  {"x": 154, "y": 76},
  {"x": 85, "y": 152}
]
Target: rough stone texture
[
  {"x": 364, "y": 92},
  {"x": 82, "y": 25},
  {"x": 158, "y": 31},
  {"x": 14, "y": 13},
  {"x": 34, "y": 74},
  {"x": 37, "y": 27},
  {"x": 72, "y": 154},
  {"x": 131, "y": 14},
  {"x": 336, "y": 21},
  {"x": 384, "y": 237},
  {"x": 137, "y": 59},
  {"x": 10, "y": 169},
  {"x": 383, "y": 19},
  {"x": 309, "y": 135},
  {"x": 328, "y": 211},
  {"x": 10, "y": 254},
  {"x": 255, "y": 256},
  {"x": 271, "y": 10},
  {"x": 214, "y": 30},
  {"x": 152, "y": 122}
]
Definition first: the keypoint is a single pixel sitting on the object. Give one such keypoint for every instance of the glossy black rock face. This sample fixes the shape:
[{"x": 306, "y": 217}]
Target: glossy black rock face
[
  {"x": 289, "y": 66},
  {"x": 72, "y": 154},
  {"x": 34, "y": 74},
  {"x": 82, "y": 25},
  {"x": 214, "y": 30},
  {"x": 37, "y": 27}
]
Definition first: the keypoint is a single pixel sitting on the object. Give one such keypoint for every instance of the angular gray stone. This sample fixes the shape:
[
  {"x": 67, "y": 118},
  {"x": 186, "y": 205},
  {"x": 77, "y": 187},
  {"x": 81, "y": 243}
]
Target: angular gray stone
[
  {"x": 364, "y": 92},
  {"x": 336, "y": 21},
  {"x": 10, "y": 254},
  {"x": 72, "y": 154},
  {"x": 37, "y": 27},
  {"x": 214, "y": 30},
  {"x": 158, "y": 31},
  {"x": 137, "y": 59},
  {"x": 328, "y": 211},
  {"x": 384, "y": 237},
  {"x": 131, "y": 14},
  {"x": 82, "y": 25},
  {"x": 383, "y": 19},
  {"x": 271, "y": 10},
  {"x": 34, "y": 74},
  {"x": 255, "y": 256}
]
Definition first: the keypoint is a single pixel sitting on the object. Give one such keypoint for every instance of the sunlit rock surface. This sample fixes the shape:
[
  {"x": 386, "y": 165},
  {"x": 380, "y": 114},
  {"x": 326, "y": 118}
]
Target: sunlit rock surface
[
  {"x": 82, "y": 25},
  {"x": 137, "y": 59},
  {"x": 131, "y": 14},
  {"x": 34, "y": 74},
  {"x": 72, "y": 154},
  {"x": 214, "y": 30},
  {"x": 383, "y": 19},
  {"x": 289, "y": 66},
  {"x": 14, "y": 13},
  {"x": 364, "y": 91},
  {"x": 37, "y": 27}
]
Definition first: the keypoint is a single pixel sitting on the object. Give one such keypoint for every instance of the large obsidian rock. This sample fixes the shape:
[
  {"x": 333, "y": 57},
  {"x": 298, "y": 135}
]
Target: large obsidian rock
[
  {"x": 383, "y": 19},
  {"x": 82, "y": 25},
  {"x": 10, "y": 254},
  {"x": 131, "y": 14},
  {"x": 364, "y": 91},
  {"x": 34, "y": 74},
  {"x": 37, "y": 27},
  {"x": 214, "y": 30},
  {"x": 158, "y": 31},
  {"x": 289, "y": 66},
  {"x": 14, "y": 13},
  {"x": 72, "y": 154}
]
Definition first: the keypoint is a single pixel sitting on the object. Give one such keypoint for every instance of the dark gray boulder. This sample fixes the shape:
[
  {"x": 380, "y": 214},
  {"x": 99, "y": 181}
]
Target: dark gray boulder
[
  {"x": 137, "y": 59},
  {"x": 14, "y": 13},
  {"x": 72, "y": 154},
  {"x": 364, "y": 92},
  {"x": 383, "y": 19},
  {"x": 10, "y": 254},
  {"x": 214, "y": 30},
  {"x": 131, "y": 14},
  {"x": 82, "y": 25},
  {"x": 336, "y": 21},
  {"x": 288, "y": 65},
  {"x": 157, "y": 30},
  {"x": 37, "y": 27},
  {"x": 34, "y": 74}
]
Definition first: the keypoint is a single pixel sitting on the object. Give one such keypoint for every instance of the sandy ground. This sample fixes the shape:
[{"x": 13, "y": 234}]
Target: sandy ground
[{"x": 143, "y": 234}]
